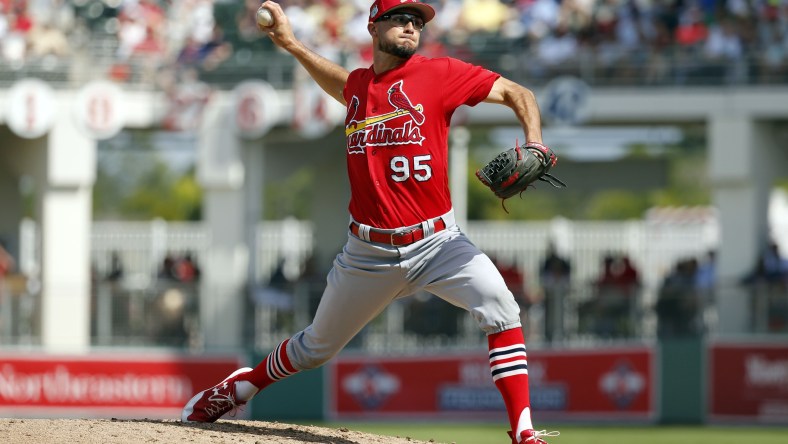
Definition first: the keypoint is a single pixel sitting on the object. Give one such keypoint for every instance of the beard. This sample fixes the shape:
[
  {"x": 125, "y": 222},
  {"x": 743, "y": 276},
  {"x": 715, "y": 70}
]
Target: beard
[{"x": 400, "y": 51}]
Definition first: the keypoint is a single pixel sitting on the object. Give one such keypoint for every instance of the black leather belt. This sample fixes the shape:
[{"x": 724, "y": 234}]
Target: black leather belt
[{"x": 398, "y": 239}]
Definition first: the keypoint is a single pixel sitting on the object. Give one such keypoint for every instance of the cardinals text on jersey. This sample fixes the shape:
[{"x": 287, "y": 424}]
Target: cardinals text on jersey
[{"x": 371, "y": 131}]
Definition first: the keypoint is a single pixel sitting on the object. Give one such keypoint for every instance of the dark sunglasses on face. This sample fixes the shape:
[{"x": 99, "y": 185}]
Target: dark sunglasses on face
[{"x": 402, "y": 19}]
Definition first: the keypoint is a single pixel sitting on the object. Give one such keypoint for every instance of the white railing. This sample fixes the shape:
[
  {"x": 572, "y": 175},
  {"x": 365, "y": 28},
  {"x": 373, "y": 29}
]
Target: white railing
[
  {"x": 141, "y": 247},
  {"x": 653, "y": 248}
]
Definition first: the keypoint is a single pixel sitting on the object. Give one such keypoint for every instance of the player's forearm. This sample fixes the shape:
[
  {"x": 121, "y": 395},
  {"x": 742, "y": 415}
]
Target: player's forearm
[
  {"x": 329, "y": 75},
  {"x": 527, "y": 110},
  {"x": 523, "y": 102}
]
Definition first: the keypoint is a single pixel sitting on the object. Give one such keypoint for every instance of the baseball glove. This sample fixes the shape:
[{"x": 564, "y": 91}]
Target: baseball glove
[{"x": 515, "y": 169}]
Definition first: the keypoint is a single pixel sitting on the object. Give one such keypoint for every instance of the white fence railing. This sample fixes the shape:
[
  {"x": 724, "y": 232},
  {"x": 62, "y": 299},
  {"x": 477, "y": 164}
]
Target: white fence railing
[
  {"x": 141, "y": 247},
  {"x": 654, "y": 248}
]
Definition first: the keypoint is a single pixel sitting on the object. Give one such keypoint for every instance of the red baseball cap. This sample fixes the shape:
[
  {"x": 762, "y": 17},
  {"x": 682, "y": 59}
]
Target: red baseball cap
[{"x": 381, "y": 7}]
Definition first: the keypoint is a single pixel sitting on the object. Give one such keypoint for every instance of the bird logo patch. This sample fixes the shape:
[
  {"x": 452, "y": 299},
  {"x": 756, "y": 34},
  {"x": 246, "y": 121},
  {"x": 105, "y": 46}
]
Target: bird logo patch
[{"x": 379, "y": 130}]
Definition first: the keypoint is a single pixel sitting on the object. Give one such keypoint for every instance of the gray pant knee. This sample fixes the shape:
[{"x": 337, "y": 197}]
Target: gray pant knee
[{"x": 305, "y": 354}]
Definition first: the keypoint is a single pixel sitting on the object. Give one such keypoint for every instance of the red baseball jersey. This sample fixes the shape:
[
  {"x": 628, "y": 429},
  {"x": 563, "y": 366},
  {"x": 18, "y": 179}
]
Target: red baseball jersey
[{"x": 397, "y": 128}]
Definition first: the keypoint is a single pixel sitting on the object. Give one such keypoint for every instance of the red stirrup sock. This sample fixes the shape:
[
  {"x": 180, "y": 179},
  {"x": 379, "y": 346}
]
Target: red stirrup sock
[
  {"x": 509, "y": 369},
  {"x": 274, "y": 367}
]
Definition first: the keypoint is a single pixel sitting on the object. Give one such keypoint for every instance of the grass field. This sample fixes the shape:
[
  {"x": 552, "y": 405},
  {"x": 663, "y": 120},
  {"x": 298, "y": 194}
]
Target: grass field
[{"x": 496, "y": 434}]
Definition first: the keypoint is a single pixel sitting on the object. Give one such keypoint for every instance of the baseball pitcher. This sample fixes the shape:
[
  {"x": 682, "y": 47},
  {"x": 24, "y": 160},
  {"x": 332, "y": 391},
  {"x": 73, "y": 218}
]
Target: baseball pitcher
[{"x": 402, "y": 236}]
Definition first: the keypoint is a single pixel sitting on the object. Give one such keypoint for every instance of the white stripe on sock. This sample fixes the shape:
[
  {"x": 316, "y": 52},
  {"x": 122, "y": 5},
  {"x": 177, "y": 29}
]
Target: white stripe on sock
[
  {"x": 507, "y": 348},
  {"x": 509, "y": 364},
  {"x": 520, "y": 371},
  {"x": 275, "y": 367},
  {"x": 508, "y": 356}
]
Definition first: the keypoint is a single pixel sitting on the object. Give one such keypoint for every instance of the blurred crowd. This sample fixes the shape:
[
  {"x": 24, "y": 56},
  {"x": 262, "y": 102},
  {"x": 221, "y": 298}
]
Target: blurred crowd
[
  {"x": 731, "y": 40},
  {"x": 613, "y": 305}
]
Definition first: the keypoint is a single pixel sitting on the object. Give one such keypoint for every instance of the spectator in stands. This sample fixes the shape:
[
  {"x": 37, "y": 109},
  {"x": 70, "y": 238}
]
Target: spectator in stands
[
  {"x": 7, "y": 263},
  {"x": 706, "y": 277},
  {"x": 772, "y": 36},
  {"x": 246, "y": 21},
  {"x": 166, "y": 321},
  {"x": 186, "y": 268},
  {"x": 131, "y": 32},
  {"x": 447, "y": 17},
  {"x": 770, "y": 266},
  {"x": 217, "y": 49},
  {"x": 152, "y": 44},
  {"x": 554, "y": 276},
  {"x": 167, "y": 269},
  {"x": 200, "y": 21},
  {"x": 47, "y": 40},
  {"x": 355, "y": 36},
  {"x": 691, "y": 33},
  {"x": 428, "y": 316},
  {"x": 515, "y": 280},
  {"x": 555, "y": 53},
  {"x": 540, "y": 18},
  {"x": 483, "y": 16},
  {"x": 774, "y": 264},
  {"x": 768, "y": 285},
  {"x": 619, "y": 40},
  {"x": 7, "y": 266},
  {"x": 724, "y": 52},
  {"x": 115, "y": 272},
  {"x": 190, "y": 54},
  {"x": 678, "y": 304},
  {"x": 707, "y": 272},
  {"x": 22, "y": 21},
  {"x": 207, "y": 55},
  {"x": 692, "y": 29},
  {"x": 613, "y": 308},
  {"x": 277, "y": 293},
  {"x": 649, "y": 41},
  {"x": 658, "y": 58},
  {"x": 576, "y": 14},
  {"x": 183, "y": 269},
  {"x": 4, "y": 24},
  {"x": 14, "y": 42}
]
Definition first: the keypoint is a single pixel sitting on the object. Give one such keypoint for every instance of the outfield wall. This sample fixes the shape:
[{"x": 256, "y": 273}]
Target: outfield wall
[
  {"x": 107, "y": 384},
  {"x": 685, "y": 381},
  {"x": 681, "y": 381}
]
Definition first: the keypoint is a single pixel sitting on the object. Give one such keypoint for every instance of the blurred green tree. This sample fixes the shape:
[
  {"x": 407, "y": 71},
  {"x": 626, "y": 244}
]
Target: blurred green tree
[{"x": 130, "y": 186}]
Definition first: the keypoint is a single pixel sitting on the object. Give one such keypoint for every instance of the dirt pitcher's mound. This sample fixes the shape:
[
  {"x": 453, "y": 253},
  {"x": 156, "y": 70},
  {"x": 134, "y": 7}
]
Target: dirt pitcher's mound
[{"x": 123, "y": 431}]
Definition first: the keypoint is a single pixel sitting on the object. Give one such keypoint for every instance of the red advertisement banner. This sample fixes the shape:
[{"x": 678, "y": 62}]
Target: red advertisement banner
[
  {"x": 614, "y": 384},
  {"x": 106, "y": 386},
  {"x": 748, "y": 382}
]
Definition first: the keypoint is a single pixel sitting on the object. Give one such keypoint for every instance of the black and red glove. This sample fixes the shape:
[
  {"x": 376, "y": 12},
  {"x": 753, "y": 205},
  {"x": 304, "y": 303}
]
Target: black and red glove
[{"x": 514, "y": 170}]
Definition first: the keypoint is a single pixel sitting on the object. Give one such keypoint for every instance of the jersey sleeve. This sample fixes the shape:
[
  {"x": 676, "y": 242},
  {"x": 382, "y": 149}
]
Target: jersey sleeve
[
  {"x": 466, "y": 84},
  {"x": 352, "y": 80}
]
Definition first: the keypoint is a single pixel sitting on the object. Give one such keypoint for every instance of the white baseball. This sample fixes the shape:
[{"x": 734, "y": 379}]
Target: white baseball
[{"x": 264, "y": 17}]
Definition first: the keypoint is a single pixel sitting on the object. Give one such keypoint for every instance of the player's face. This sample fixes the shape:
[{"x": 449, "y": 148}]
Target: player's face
[{"x": 399, "y": 33}]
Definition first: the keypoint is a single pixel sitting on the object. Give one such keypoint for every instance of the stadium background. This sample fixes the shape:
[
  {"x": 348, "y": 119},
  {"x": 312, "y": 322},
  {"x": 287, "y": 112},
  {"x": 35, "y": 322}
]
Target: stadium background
[{"x": 165, "y": 307}]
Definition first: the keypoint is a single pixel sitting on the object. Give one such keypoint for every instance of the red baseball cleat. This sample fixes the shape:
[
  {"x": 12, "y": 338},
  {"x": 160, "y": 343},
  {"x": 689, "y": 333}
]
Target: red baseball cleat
[
  {"x": 210, "y": 404},
  {"x": 532, "y": 436}
]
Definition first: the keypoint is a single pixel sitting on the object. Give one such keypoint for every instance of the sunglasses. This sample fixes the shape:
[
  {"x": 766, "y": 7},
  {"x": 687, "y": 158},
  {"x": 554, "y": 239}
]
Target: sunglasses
[{"x": 402, "y": 19}]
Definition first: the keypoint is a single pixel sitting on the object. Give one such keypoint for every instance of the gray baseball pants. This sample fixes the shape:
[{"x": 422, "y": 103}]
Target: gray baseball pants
[{"x": 367, "y": 277}]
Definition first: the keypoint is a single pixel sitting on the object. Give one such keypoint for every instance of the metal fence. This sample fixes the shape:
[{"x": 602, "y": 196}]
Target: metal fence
[{"x": 146, "y": 292}]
